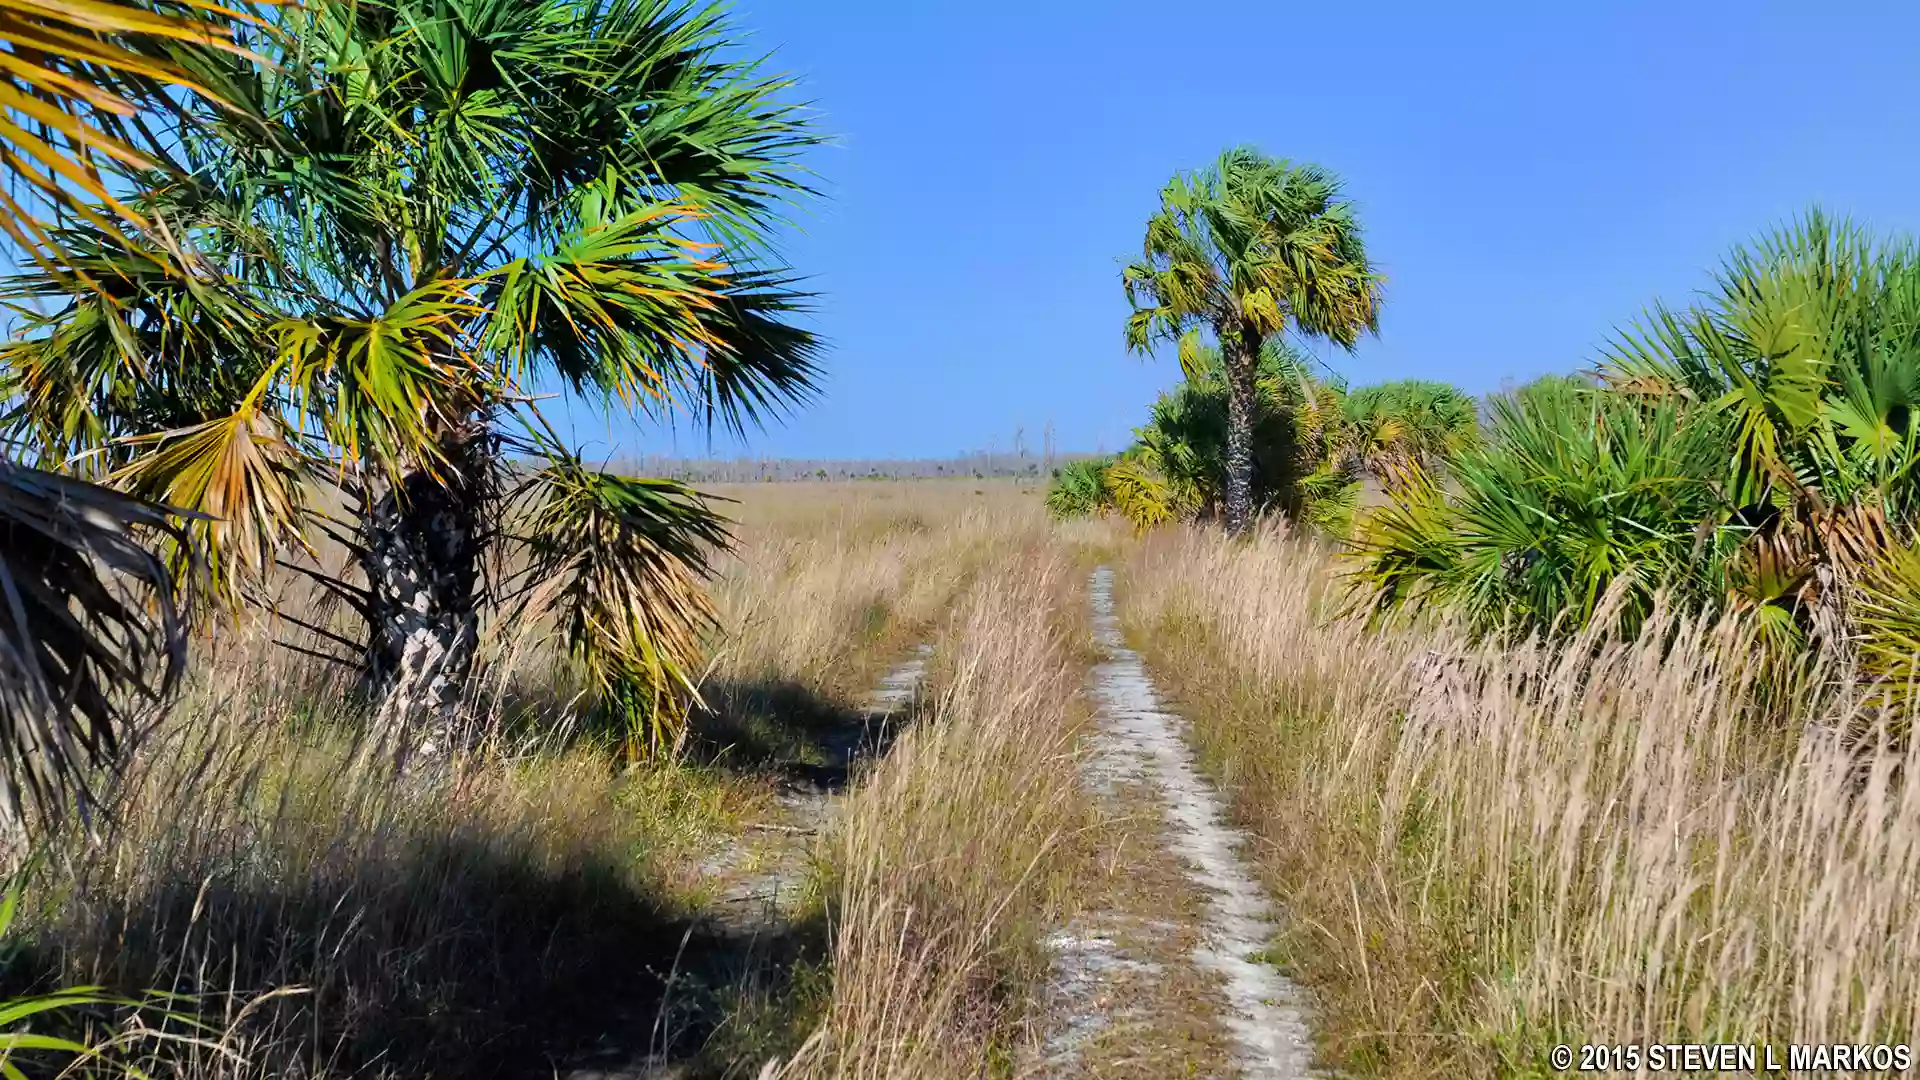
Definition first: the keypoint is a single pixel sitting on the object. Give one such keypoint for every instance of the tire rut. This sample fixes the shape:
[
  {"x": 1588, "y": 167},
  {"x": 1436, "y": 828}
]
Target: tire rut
[{"x": 1139, "y": 743}]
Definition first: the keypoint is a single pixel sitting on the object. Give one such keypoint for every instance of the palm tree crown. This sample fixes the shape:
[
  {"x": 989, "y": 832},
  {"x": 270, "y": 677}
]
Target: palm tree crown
[
  {"x": 446, "y": 206},
  {"x": 1249, "y": 248}
]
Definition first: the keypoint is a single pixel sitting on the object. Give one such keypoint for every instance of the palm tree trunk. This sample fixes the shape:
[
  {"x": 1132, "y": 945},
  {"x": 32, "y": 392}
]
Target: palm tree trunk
[
  {"x": 1240, "y": 349},
  {"x": 422, "y": 543}
]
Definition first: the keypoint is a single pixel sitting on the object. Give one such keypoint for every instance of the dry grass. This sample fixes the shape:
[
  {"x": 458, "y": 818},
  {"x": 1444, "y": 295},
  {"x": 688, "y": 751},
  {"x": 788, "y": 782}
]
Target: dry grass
[
  {"x": 833, "y": 579},
  {"x": 529, "y": 899},
  {"x": 944, "y": 868},
  {"x": 1486, "y": 852}
]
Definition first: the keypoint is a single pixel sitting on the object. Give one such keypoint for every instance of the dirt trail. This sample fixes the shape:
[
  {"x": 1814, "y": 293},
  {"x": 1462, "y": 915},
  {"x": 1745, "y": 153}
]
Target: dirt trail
[
  {"x": 777, "y": 855},
  {"x": 759, "y": 879},
  {"x": 1140, "y": 747}
]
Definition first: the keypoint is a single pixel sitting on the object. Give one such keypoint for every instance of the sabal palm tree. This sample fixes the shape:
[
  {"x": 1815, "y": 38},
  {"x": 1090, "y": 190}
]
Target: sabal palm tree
[
  {"x": 1245, "y": 250},
  {"x": 90, "y": 623},
  {"x": 450, "y": 206},
  {"x": 1176, "y": 467}
]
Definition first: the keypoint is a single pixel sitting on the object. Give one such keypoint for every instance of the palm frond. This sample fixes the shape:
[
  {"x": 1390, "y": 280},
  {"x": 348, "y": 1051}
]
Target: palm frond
[
  {"x": 90, "y": 633},
  {"x": 624, "y": 561},
  {"x": 630, "y": 308},
  {"x": 245, "y": 480},
  {"x": 1886, "y": 610},
  {"x": 73, "y": 77},
  {"x": 1080, "y": 489},
  {"x": 1142, "y": 496},
  {"x": 385, "y": 387}
]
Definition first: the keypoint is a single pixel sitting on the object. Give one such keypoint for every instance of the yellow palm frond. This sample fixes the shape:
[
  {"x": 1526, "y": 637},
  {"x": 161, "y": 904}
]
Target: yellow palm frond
[
  {"x": 72, "y": 72},
  {"x": 1142, "y": 496},
  {"x": 243, "y": 477}
]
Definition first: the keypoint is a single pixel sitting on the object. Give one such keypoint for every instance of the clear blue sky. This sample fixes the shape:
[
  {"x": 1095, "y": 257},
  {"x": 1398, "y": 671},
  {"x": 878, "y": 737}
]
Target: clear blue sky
[{"x": 1526, "y": 181}]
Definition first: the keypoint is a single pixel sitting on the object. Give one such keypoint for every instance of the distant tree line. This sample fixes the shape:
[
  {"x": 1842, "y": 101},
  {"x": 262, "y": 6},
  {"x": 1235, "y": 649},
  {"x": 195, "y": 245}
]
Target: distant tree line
[{"x": 981, "y": 465}]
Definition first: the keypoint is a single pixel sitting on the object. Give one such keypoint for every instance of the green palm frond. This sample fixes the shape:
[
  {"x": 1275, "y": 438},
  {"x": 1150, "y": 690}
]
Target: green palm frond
[
  {"x": 90, "y": 632},
  {"x": 1328, "y": 500},
  {"x": 623, "y": 561},
  {"x": 1407, "y": 550},
  {"x": 1576, "y": 492},
  {"x": 386, "y": 386},
  {"x": 1807, "y": 344},
  {"x": 1390, "y": 426},
  {"x": 629, "y": 307},
  {"x": 1080, "y": 489},
  {"x": 76, "y": 75}
]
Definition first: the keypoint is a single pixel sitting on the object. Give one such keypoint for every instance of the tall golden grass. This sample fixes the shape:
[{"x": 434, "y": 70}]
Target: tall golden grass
[
  {"x": 1486, "y": 851},
  {"x": 944, "y": 868},
  {"x": 326, "y": 918}
]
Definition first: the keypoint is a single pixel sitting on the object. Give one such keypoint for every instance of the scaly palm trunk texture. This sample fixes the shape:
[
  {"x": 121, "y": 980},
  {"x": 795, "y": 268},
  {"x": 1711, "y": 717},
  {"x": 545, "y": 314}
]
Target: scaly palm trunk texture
[
  {"x": 1240, "y": 351},
  {"x": 422, "y": 543}
]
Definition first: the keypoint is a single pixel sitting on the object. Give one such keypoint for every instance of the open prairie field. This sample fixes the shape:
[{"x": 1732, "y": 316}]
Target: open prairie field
[
  {"x": 1147, "y": 604},
  {"x": 972, "y": 792}
]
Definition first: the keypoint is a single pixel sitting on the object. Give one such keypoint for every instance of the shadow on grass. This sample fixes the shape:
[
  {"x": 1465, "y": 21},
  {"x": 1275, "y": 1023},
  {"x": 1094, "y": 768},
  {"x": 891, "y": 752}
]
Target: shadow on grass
[
  {"x": 423, "y": 941},
  {"x": 786, "y": 731},
  {"x": 453, "y": 960}
]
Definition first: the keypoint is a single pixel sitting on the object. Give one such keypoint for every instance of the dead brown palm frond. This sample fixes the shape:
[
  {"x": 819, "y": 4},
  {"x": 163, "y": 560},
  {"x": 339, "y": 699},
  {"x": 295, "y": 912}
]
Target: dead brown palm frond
[{"x": 90, "y": 631}]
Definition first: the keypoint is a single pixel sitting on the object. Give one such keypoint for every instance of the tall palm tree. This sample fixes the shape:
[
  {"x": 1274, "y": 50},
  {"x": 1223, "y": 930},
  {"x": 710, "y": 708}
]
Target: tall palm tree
[
  {"x": 1245, "y": 250},
  {"x": 451, "y": 205},
  {"x": 90, "y": 623}
]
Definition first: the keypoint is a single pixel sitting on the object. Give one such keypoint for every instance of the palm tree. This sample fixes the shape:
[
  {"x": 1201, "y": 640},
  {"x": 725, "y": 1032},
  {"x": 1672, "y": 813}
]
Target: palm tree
[
  {"x": 1176, "y": 467},
  {"x": 1393, "y": 429},
  {"x": 90, "y": 624},
  {"x": 1807, "y": 349},
  {"x": 1248, "y": 249},
  {"x": 450, "y": 205}
]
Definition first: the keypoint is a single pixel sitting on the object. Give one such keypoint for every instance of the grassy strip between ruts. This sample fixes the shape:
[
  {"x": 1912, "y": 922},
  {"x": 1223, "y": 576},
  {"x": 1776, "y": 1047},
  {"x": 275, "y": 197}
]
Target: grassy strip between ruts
[{"x": 950, "y": 860}]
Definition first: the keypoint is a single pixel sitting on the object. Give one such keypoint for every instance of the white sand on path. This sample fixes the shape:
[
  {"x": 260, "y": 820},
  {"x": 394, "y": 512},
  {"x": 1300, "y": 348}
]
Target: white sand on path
[{"x": 1138, "y": 741}]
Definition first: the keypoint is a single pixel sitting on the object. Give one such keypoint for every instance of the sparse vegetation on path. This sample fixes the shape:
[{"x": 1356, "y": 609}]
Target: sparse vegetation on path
[{"x": 1265, "y": 1013}]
